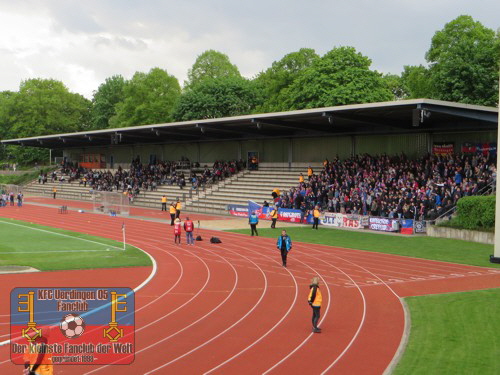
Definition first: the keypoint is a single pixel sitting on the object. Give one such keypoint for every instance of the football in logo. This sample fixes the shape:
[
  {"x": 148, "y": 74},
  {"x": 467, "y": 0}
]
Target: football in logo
[{"x": 72, "y": 326}]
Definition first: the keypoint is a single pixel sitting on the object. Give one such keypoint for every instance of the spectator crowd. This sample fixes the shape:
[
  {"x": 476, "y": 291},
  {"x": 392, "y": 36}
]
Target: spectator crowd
[
  {"x": 393, "y": 187},
  {"x": 143, "y": 177}
]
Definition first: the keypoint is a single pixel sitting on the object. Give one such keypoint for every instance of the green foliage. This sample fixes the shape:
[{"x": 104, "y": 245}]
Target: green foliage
[
  {"x": 340, "y": 77},
  {"x": 464, "y": 62},
  {"x": 45, "y": 106},
  {"x": 417, "y": 82},
  {"x": 23, "y": 178},
  {"x": 396, "y": 85},
  {"x": 105, "y": 99},
  {"x": 211, "y": 65},
  {"x": 281, "y": 75},
  {"x": 476, "y": 212},
  {"x": 149, "y": 99},
  {"x": 25, "y": 155},
  {"x": 215, "y": 98}
]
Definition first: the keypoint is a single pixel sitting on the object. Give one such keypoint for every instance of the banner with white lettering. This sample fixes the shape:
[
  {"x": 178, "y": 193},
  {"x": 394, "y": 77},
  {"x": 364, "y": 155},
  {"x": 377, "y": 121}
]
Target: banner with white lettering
[{"x": 383, "y": 224}]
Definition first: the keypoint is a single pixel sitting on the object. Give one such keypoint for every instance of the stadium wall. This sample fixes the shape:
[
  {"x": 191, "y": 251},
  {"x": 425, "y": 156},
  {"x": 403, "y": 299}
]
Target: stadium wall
[{"x": 285, "y": 150}]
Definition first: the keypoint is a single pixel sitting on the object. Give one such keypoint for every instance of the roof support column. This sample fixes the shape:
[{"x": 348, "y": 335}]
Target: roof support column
[
  {"x": 290, "y": 152},
  {"x": 497, "y": 204}
]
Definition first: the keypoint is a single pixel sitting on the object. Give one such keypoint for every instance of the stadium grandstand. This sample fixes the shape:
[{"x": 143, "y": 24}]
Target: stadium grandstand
[{"x": 212, "y": 163}]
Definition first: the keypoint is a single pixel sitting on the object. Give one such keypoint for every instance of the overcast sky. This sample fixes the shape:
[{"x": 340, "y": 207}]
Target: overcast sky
[{"x": 81, "y": 43}]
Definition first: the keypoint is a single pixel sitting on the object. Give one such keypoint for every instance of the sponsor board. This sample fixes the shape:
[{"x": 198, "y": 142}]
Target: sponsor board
[
  {"x": 383, "y": 224},
  {"x": 344, "y": 221}
]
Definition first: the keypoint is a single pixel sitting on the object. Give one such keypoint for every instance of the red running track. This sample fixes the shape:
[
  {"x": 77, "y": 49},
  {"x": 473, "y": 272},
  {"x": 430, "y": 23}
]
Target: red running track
[{"x": 232, "y": 308}]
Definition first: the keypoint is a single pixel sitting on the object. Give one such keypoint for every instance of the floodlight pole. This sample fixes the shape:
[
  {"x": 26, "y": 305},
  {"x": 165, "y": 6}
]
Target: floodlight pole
[{"x": 497, "y": 194}]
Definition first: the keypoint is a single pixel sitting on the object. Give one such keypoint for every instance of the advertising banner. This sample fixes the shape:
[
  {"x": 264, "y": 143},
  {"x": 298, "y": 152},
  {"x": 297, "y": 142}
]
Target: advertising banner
[
  {"x": 420, "y": 227},
  {"x": 237, "y": 210},
  {"x": 443, "y": 148},
  {"x": 67, "y": 326},
  {"x": 344, "y": 221},
  {"x": 284, "y": 214},
  {"x": 383, "y": 224}
]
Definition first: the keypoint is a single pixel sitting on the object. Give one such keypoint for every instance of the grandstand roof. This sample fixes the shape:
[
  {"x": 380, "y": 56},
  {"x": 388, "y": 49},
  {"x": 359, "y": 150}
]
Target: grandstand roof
[{"x": 397, "y": 117}]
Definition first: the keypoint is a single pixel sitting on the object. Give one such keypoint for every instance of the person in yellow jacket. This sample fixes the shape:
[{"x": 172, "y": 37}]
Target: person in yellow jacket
[
  {"x": 301, "y": 178},
  {"x": 164, "y": 203},
  {"x": 274, "y": 216},
  {"x": 316, "y": 215},
  {"x": 315, "y": 299},
  {"x": 310, "y": 172},
  {"x": 172, "y": 213},
  {"x": 178, "y": 207}
]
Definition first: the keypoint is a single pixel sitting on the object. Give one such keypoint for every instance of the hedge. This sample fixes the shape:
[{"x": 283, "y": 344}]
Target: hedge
[{"x": 476, "y": 212}]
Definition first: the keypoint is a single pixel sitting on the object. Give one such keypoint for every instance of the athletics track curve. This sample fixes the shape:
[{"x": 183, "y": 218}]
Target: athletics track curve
[{"x": 232, "y": 308}]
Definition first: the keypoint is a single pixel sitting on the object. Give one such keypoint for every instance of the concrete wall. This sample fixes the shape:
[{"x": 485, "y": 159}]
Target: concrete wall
[{"x": 461, "y": 234}]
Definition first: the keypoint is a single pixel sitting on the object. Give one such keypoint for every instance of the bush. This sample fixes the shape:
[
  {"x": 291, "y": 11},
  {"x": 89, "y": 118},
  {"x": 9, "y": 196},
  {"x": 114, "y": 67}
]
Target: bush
[{"x": 476, "y": 212}]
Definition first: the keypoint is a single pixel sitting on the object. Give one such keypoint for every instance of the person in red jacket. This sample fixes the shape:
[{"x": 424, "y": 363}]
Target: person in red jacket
[
  {"x": 188, "y": 228},
  {"x": 315, "y": 299},
  {"x": 177, "y": 231}
]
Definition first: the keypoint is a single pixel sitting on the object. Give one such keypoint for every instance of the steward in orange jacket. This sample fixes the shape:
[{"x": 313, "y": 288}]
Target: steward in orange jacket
[{"x": 315, "y": 299}]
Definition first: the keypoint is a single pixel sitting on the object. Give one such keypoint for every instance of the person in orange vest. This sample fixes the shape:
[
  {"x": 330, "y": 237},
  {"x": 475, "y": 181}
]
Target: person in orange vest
[
  {"x": 54, "y": 191},
  {"x": 172, "y": 213},
  {"x": 315, "y": 299},
  {"x": 188, "y": 228},
  {"x": 39, "y": 362},
  {"x": 274, "y": 216},
  {"x": 178, "y": 207},
  {"x": 301, "y": 178},
  {"x": 177, "y": 231},
  {"x": 316, "y": 215},
  {"x": 164, "y": 203},
  {"x": 309, "y": 172}
]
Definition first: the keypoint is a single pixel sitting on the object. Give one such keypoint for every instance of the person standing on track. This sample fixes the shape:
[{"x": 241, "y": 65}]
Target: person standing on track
[
  {"x": 188, "y": 228},
  {"x": 177, "y": 231},
  {"x": 178, "y": 207},
  {"x": 164, "y": 203},
  {"x": 284, "y": 245},
  {"x": 172, "y": 213},
  {"x": 316, "y": 215},
  {"x": 253, "y": 220},
  {"x": 274, "y": 216},
  {"x": 315, "y": 299}
]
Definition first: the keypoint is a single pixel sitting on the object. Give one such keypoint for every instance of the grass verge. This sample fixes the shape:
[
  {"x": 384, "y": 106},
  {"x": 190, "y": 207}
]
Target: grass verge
[
  {"x": 48, "y": 249},
  {"x": 443, "y": 249},
  {"x": 453, "y": 334}
]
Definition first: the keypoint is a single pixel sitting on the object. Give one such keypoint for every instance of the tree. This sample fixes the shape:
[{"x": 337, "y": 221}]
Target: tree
[
  {"x": 43, "y": 107},
  {"x": 214, "y": 98},
  {"x": 211, "y": 65},
  {"x": 281, "y": 75},
  {"x": 149, "y": 99},
  {"x": 417, "y": 81},
  {"x": 396, "y": 85},
  {"x": 464, "y": 62},
  {"x": 342, "y": 76},
  {"x": 104, "y": 101}
]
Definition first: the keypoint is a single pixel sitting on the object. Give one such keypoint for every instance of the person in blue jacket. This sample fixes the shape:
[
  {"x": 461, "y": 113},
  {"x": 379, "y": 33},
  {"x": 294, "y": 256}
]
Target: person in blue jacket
[
  {"x": 253, "y": 220},
  {"x": 284, "y": 245}
]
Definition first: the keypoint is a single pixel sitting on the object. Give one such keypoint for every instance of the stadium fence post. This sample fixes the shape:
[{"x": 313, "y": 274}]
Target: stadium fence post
[{"x": 123, "y": 233}]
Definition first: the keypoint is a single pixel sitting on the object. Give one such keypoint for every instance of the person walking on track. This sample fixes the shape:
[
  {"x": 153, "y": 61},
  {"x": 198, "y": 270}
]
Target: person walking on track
[
  {"x": 188, "y": 228},
  {"x": 253, "y": 220},
  {"x": 315, "y": 299},
  {"x": 284, "y": 245}
]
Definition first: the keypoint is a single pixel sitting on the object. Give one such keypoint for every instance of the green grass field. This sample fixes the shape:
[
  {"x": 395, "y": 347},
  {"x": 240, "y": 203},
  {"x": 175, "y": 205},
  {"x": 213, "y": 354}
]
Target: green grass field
[
  {"x": 47, "y": 249},
  {"x": 450, "y": 333},
  {"x": 443, "y": 249},
  {"x": 453, "y": 334}
]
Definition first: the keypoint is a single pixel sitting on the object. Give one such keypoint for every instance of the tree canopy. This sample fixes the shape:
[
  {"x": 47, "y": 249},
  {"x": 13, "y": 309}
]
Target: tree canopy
[
  {"x": 341, "y": 76},
  {"x": 213, "y": 98},
  {"x": 464, "y": 62},
  {"x": 105, "y": 99},
  {"x": 211, "y": 65},
  {"x": 149, "y": 99}
]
